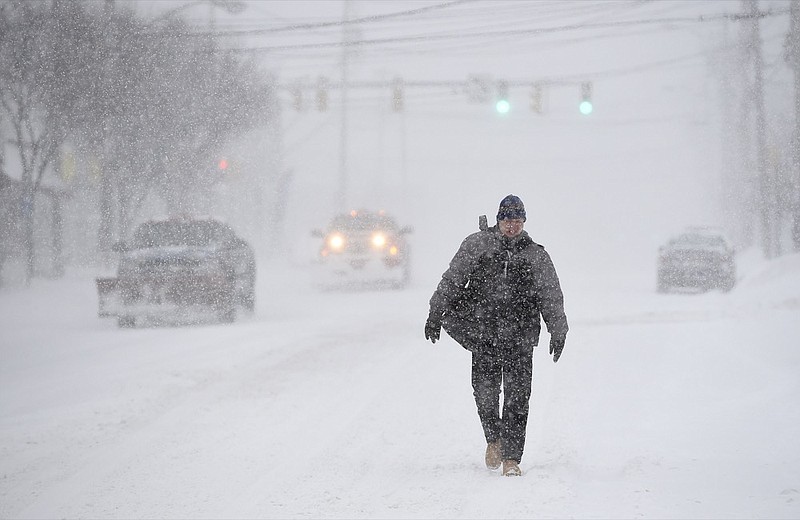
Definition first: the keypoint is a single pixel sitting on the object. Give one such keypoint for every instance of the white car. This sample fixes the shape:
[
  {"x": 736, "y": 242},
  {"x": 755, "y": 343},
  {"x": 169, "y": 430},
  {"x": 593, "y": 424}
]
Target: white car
[
  {"x": 697, "y": 258},
  {"x": 363, "y": 249}
]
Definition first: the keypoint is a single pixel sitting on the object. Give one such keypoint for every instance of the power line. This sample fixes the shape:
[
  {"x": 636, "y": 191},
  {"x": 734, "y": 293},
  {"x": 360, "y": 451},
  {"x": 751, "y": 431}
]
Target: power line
[
  {"x": 339, "y": 23},
  {"x": 509, "y": 13},
  {"x": 514, "y": 32}
]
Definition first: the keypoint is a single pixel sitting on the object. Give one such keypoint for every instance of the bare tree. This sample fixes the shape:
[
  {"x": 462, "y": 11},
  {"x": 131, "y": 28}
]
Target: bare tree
[
  {"x": 153, "y": 103},
  {"x": 172, "y": 100},
  {"x": 30, "y": 74}
]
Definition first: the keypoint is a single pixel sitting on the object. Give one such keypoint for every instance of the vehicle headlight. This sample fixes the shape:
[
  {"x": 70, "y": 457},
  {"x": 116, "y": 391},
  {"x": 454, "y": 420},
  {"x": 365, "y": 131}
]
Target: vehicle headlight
[
  {"x": 336, "y": 241},
  {"x": 378, "y": 240}
]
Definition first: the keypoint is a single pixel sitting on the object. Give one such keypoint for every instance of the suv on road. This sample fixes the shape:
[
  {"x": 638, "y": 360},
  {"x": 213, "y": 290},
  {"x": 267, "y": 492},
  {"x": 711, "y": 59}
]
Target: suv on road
[
  {"x": 363, "y": 248},
  {"x": 698, "y": 258},
  {"x": 179, "y": 269}
]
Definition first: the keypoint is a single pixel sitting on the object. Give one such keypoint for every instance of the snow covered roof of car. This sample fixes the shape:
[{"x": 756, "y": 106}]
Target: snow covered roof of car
[
  {"x": 175, "y": 232},
  {"x": 363, "y": 220}
]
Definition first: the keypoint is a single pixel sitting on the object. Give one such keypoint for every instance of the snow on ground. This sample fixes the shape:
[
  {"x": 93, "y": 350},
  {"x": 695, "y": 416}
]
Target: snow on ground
[{"x": 332, "y": 405}]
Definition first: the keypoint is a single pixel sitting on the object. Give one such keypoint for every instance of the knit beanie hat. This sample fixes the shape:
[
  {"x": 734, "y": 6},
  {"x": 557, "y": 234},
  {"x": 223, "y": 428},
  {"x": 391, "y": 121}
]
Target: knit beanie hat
[{"x": 512, "y": 208}]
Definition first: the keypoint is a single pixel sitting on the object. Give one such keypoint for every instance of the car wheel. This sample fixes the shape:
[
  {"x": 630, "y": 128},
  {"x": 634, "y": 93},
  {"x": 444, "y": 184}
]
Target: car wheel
[
  {"x": 249, "y": 298},
  {"x": 226, "y": 307},
  {"x": 404, "y": 280},
  {"x": 249, "y": 302},
  {"x": 227, "y": 315},
  {"x": 728, "y": 284},
  {"x": 126, "y": 322}
]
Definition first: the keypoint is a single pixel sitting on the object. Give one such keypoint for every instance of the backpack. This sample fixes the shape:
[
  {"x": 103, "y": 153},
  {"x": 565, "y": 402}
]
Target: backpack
[{"x": 460, "y": 321}]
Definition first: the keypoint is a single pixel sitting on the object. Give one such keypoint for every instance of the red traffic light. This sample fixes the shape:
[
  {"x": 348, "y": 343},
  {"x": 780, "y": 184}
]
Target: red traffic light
[{"x": 223, "y": 164}]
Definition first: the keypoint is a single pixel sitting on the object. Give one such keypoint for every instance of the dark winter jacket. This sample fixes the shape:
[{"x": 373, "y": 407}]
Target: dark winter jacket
[{"x": 497, "y": 287}]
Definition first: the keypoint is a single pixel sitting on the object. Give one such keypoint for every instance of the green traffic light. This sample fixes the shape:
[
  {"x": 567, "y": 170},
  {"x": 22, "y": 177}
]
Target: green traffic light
[
  {"x": 503, "y": 106},
  {"x": 586, "y": 107}
]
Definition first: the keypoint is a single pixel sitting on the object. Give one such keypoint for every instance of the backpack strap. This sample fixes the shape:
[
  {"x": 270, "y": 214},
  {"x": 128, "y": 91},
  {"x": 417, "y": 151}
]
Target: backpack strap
[{"x": 483, "y": 224}]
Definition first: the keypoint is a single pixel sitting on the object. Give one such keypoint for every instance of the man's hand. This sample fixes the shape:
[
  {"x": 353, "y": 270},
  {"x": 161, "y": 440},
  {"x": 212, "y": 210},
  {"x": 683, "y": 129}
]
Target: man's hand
[
  {"x": 433, "y": 328},
  {"x": 557, "y": 346}
]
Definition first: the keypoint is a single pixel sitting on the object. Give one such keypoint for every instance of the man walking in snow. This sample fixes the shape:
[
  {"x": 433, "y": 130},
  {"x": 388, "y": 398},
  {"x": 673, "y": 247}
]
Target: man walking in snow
[{"x": 489, "y": 300}]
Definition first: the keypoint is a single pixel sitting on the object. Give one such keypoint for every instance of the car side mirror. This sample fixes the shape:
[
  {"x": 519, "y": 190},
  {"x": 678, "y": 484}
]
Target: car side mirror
[
  {"x": 406, "y": 230},
  {"x": 317, "y": 233}
]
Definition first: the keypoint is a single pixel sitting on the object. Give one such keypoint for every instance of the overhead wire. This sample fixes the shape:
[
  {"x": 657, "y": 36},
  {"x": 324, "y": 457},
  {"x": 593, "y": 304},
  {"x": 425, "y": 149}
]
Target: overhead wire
[
  {"x": 450, "y": 47},
  {"x": 429, "y": 38},
  {"x": 505, "y": 13},
  {"x": 461, "y": 23},
  {"x": 503, "y": 10},
  {"x": 487, "y": 37},
  {"x": 340, "y": 23},
  {"x": 451, "y": 44}
]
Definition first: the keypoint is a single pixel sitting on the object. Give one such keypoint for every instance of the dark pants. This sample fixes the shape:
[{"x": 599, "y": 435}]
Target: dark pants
[{"x": 509, "y": 366}]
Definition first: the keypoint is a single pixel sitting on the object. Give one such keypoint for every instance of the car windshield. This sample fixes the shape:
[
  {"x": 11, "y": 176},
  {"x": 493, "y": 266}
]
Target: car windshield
[
  {"x": 162, "y": 234},
  {"x": 362, "y": 222},
  {"x": 697, "y": 240}
]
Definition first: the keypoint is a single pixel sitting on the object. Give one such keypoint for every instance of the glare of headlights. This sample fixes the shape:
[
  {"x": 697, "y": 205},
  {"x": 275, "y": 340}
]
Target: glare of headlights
[
  {"x": 393, "y": 250},
  {"x": 336, "y": 242},
  {"x": 378, "y": 240}
]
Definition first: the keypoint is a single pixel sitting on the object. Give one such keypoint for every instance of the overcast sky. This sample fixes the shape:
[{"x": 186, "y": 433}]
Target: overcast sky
[{"x": 646, "y": 162}]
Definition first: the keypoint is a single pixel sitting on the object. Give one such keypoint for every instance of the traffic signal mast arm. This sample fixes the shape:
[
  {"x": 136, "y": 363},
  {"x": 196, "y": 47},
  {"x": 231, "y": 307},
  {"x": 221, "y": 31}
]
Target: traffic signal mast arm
[{"x": 478, "y": 89}]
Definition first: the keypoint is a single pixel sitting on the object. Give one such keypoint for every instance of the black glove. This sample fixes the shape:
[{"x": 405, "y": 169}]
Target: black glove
[
  {"x": 433, "y": 328},
  {"x": 556, "y": 346}
]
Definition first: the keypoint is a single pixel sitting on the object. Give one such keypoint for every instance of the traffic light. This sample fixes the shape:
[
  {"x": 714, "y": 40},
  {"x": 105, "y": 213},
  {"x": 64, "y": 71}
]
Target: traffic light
[
  {"x": 586, "y": 98},
  {"x": 322, "y": 94},
  {"x": 297, "y": 97},
  {"x": 502, "y": 105},
  {"x": 397, "y": 95},
  {"x": 222, "y": 165},
  {"x": 536, "y": 98}
]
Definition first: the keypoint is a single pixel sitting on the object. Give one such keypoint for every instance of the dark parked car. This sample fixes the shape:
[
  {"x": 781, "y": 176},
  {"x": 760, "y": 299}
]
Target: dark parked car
[
  {"x": 179, "y": 269},
  {"x": 363, "y": 248},
  {"x": 697, "y": 258}
]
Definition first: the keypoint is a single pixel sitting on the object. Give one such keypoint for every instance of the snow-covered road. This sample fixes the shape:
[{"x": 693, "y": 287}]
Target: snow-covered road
[{"x": 333, "y": 405}]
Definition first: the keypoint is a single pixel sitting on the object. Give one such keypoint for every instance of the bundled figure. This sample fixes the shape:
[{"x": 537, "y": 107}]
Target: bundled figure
[{"x": 490, "y": 301}]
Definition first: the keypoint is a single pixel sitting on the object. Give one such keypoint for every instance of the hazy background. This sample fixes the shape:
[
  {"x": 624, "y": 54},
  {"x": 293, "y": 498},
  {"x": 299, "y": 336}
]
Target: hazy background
[
  {"x": 329, "y": 404},
  {"x": 607, "y": 188},
  {"x": 670, "y": 142}
]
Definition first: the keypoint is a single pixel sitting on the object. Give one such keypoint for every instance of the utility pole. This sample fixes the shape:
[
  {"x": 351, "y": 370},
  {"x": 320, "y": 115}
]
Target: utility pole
[
  {"x": 736, "y": 204},
  {"x": 100, "y": 144},
  {"x": 766, "y": 191},
  {"x": 341, "y": 192},
  {"x": 793, "y": 59}
]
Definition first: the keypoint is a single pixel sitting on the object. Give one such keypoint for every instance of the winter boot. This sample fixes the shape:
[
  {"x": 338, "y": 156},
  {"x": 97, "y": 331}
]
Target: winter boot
[
  {"x": 511, "y": 468},
  {"x": 493, "y": 456}
]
